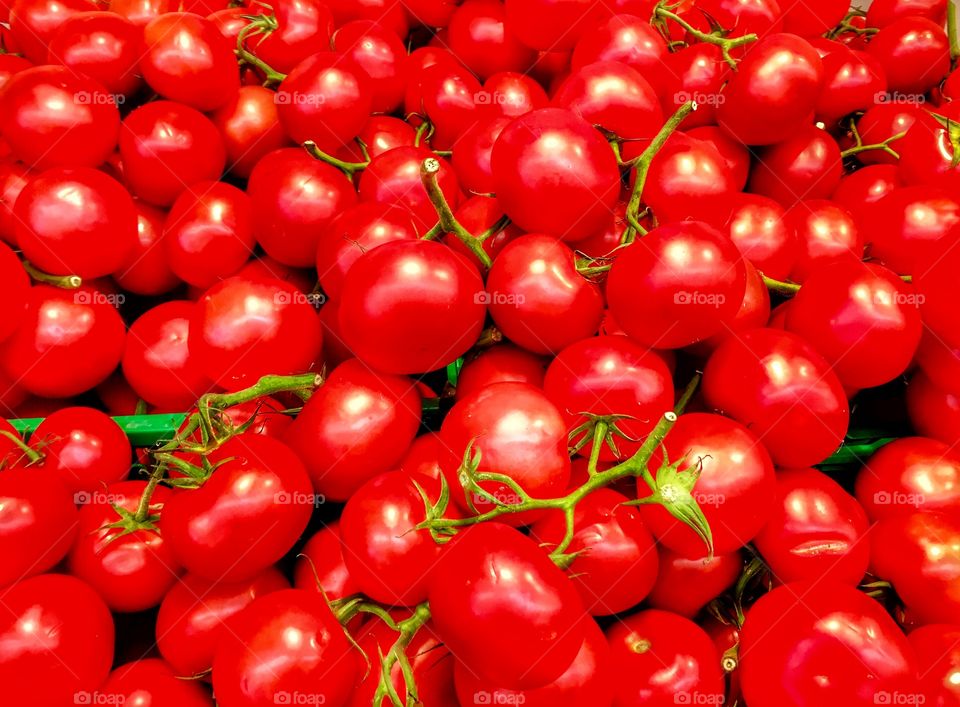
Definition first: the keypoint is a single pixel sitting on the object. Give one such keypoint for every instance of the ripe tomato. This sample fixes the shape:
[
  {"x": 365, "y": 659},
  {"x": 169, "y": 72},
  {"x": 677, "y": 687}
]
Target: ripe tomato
[
  {"x": 554, "y": 173},
  {"x": 610, "y": 375},
  {"x": 818, "y": 654},
  {"x": 629, "y": 39},
  {"x": 321, "y": 567},
  {"x": 187, "y": 60},
  {"x": 50, "y": 105},
  {"x": 777, "y": 385},
  {"x": 852, "y": 80},
  {"x": 813, "y": 18},
  {"x": 13, "y": 178},
  {"x": 38, "y": 522},
  {"x": 517, "y": 432},
  {"x": 382, "y": 57},
  {"x": 14, "y": 290},
  {"x": 411, "y": 307},
  {"x": 937, "y": 648},
  {"x": 145, "y": 270},
  {"x": 669, "y": 660},
  {"x": 881, "y": 122},
  {"x": 805, "y": 165},
  {"x": 926, "y": 154},
  {"x": 685, "y": 586},
  {"x": 357, "y": 425},
  {"x": 165, "y": 147},
  {"x": 933, "y": 279},
  {"x": 933, "y": 411},
  {"x": 696, "y": 72},
  {"x": 499, "y": 364},
  {"x": 102, "y": 46},
  {"x": 250, "y": 128},
  {"x": 33, "y": 23},
  {"x": 482, "y": 39},
  {"x": 677, "y": 285},
  {"x": 522, "y": 638},
  {"x": 618, "y": 564},
  {"x": 192, "y": 616},
  {"x": 756, "y": 226},
  {"x": 284, "y": 644},
  {"x": 57, "y": 636},
  {"x": 825, "y": 233},
  {"x": 69, "y": 341},
  {"x": 151, "y": 681},
  {"x": 303, "y": 27},
  {"x": 260, "y": 490},
  {"x": 247, "y": 327},
  {"x": 940, "y": 362},
  {"x": 914, "y": 53},
  {"x": 815, "y": 529}
]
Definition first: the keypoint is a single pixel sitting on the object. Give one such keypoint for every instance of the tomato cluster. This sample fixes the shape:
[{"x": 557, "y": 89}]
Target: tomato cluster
[{"x": 559, "y": 353}]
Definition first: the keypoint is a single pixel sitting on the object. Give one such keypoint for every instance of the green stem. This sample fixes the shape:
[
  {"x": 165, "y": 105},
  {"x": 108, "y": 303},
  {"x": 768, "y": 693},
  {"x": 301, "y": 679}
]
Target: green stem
[
  {"x": 643, "y": 167},
  {"x": 787, "y": 289},
  {"x": 448, "y": 222},
  {"x": 348, "y": 168},
  {"x": 260, "y": 23},
  {"x": 599, "y": 437},
  {"x": 884, "y": 146},
  {"x": 726, "y": 45},
  {"x": 952, "y": 32},
  {"x": 31, "y": 454},
  {"x": 143, "y": 508},
  {"x": 397, "y": 655},
  {"x": 67, "y": 282}
]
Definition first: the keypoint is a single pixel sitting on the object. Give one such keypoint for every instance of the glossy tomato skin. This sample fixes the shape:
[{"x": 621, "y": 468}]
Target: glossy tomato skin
[
  {"x": 670, "y": 660},
  {"x": 538, "y": 299},
  {"x": 411, "y": 307},
  {"x": 517, "y": 621},
  {"x": 38, "y": 522},
  {"x": 825, "y": 232},
  {"x": 932, "y": 277},
  {"x": 247, "y": 327},
  {"x": 833, "y": 646},
  {"x": 805, "y": 165},
  {"x": 517, "y": 432},
  {"x": 250, "y": 128},
  {"x": 84, "y": 448},
  {"x": 321, "y": 567},
  {"x": 499, "y": 364},
  {"x": 934, "y": 412},
  {"x": 937, "y": 647},
  {"x": 321, "y": 665},
  {"x": 261, "y": 490},
  {"x": 911, "y": 473},
  {"x": 775, "y": 88},
  {"x": 862, "y": 318},
  {"x": 192, "y": 616},
  {"x": 484, "y": 42},
  {"x": 554, "y": 173},
  {"x": 103, "y": 46},
  {"x": 852, "y": 81},
  {"x": 919, "y": 553},
  {"x": 940, "y": 362},
  {"x": 629, "y": 39},
  {"x": 913, "y": 52},
  {"x": 881, "y": 122},
  {"x": 187, "y": 60},
  {"x": 618, "y": 566},
  {"x": 815, "y": 529},
  {"x": 294, "y": 198},
  {"x": 610, "y": 375},
  {"x": 69, "y": 341},
  {"x": 381, "y": 55},
  {"x": 42, "y": 106},
  {"x": 777, "y": 385},
  {"x": 303, "y": 27},
  {"x": 586, "y": 683},
  {"x": 685, "y": 586},
  {"x": 165, "y": 147},
  {"x": 152, "y": 681},
  {"x": 677, "y": 285},
  {"x": 357, "y": 425},
  {"x": 14, "y": 289},
  {"x": 145, "y": 270},
  {"x": 756, "y": 226},
  {"x": 926, "y": 152},
  {"x": 58, "y": 641},
  {"x": 13, "y": 178},
  {"x": 735, "y": 489}
]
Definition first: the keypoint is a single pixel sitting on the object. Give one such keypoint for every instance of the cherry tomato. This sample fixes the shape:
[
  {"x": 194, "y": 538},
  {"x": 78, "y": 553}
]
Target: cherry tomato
[
  {"x": 379, "y": 134},
  {"x": 101, "y": 46},
  {"x": 756, "y": 226},
  {"x": 669, "y": 660},
  {"x": 629, "y": 39},
  {"x": 140, "y": 12},
  {"x": 685, "y": 586},
  {"x": 357, "y": 425},
  {"x": 13, "y": 178},
  {"x": 14, "y": 291},
  {"x": 832, "y": 646},
  {"x": 33, "y": 23},
  {"x": 58, "y": 641},
  {"x": 938, "y": 661},
  {"x": 321, "y": 566},
  {"x": 778, "y": 386},
  {"x": 516, "y": 621},
  {"x": 411, "y": 307},
  {"x": 50, "y": 105},
  {"x": 388, "y": 13},
  {"x": 805, "y": 165},
  {"x": 939, "y": 362},
  {"x": 482, "y": 39},
  {"x": 152, "y": 681},
  {"x": 283, "y": 644},
  {"x": 499, "y": 364},
  {"x": 927, "y": 153},
  {"x": 192, "y": 616},
  {"x": 554, "y": 173},
  {"x": 480, "y": 215},
  {"x": 145, "y": 270},
  {"x": 933, "y": 277},
  {"x": 558, "y": 24},
  {"x": 302, "y": 28},
  {"x": 247, "y": 327},
  {"x": 696, "y": 73},
  {"x": 250, "y": 128},
  {"x": 914, "y": 53},
  {"x": 382, "y": 57},
  {"x": 677, "y": 285},
  {"x": 261, "y": 490},
  {"x": 881, "y": 122},
  {"x": 852, "y": 81},
  {"x": 825, "y": 233},
  {"x": 187, "y": 60}
]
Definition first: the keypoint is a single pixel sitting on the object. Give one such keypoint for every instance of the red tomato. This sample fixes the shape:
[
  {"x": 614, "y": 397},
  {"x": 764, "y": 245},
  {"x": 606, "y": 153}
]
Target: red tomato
[
  {"x": 629, "y": 39},
  {"x": 618, "y": 564},
  {"x": 303, "y": 27},
  {"x": 940, "y": 362},
  {"x": 101, "y": 46},
  {"x": 57, "y": 636},
  {"x": 756, "y": 226},
  {"x": 411, "y": 307},
  {"x": 522, "y": 638},
  {"x": 247, "y": 327},
  {"x": 13, "y": 178},
  {"x": 33, "y": 23},
  {"x": 284, "y": 644},
  {"x": 832, "y": 646},
  {"x": 669, "y": 660},
  {"x": 852, "y": 81},
  {"x": 677, "y": 285},
  {"x": 482, "y": 39},
  {"x": 250, "y": 127},
  {"x": 933, "y": 411},
  {"x": 815, "y": 529},
  {"x": 685, "y": 586},
  {"x": 145, "y": 270},
  {"x": 14, "y": 291},
  {"x": 805, "y": 165},
  {"x": 937, "y": 648},
  {"x": 517, "y": 432},
  {"x": 825, "y": 233},
  {"x": 192, "y": 616},
  {"x": 499, "y": 364},
  {"x": 187, "y": 60},
  {"x": 933, "y": 279},
  {"x": 382, "y": 57},
  {"x": 50, "y": 105},
  {"x": 881, "y": 122},
  {"x": 357, "y": 425},
  {"x": 696, "y": 73},
  {"x": 321, "y": 567},
  {"x": 914, "y": 53},
  {"x": 261, "y": 490},
  {"x": 140, "y": 12},
  {"x": 151, "y": 681},
  {"x": 554, "y": 173}
]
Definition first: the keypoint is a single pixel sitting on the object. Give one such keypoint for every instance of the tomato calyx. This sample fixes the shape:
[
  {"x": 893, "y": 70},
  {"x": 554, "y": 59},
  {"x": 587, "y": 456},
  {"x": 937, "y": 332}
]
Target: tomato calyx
[
  {"x": 662, "y": 13},
  {"x": 448, "y": 223},
  {"x": 884, "y": 146}
]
